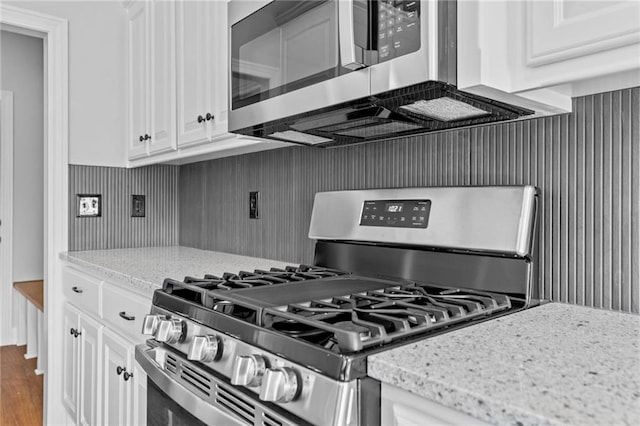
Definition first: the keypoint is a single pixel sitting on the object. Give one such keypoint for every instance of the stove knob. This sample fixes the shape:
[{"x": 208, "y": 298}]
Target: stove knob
[
  {"x": 150, "y": 324},
  {"x": 205, "y": 348},
  {"x": 170, "y": 330},
  {"x": 248, "y": 370},
  {"x": 279, "y": 385}
]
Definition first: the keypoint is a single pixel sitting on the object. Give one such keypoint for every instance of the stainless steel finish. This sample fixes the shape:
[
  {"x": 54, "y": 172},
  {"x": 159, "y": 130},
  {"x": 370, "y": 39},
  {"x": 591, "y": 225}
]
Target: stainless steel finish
[
  {"x": 314, "y": 386},
  {"x": 347, "y": 87},
  {"x": 422, "y": 65},
  {"x": 152, "y": 361},
  {"x": 493, "y": 219},
  {"x": 169, "y": 330},
  {"x": 204, "y": 348},
  {"x": 248, "y": 370},
  {"x": 279, "y": 385},
  {"x": 240, "y": 9},
  {"x": 346, "y": 35},
  {"x": 150, "y": 324}
]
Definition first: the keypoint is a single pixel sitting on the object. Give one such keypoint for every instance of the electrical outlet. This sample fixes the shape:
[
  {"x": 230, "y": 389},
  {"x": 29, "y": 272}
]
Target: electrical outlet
[
  {"x": 254, "y": 213},
  {"x": 137, "y": 206}
]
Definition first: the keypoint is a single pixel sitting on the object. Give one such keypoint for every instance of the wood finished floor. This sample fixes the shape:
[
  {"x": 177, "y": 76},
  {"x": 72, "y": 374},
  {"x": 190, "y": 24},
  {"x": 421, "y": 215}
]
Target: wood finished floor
[{"x": 20, "y": 388}]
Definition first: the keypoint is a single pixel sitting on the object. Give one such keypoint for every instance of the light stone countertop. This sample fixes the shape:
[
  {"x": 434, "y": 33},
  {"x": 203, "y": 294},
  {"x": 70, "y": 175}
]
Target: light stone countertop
[
  {"x": 145, "y": 268},
  {"x": 550, "y": 365}
]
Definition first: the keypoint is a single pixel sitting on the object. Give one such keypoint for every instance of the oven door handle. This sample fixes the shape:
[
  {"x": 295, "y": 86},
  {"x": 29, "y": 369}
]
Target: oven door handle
[
  {"x": 346, "y": 36},
  {"x": 204, "y": 410}
]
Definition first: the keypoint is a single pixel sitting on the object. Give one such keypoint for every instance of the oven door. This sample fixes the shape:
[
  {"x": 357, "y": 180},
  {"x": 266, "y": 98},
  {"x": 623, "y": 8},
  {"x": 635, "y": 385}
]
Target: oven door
[
  {"x": 293, "y": 56},
  {"x": 170, "y": 403}
]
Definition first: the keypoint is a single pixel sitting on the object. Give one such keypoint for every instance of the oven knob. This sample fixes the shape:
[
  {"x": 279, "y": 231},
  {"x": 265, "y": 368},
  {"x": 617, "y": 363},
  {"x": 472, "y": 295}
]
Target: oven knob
[
  {"x": 170, "y": 330},
  {"x": 205, "y": 348},
  {"x": 150, "y": 324},
  {"x": 279, "y": 385},
  {"x": 248, "y": 370}
]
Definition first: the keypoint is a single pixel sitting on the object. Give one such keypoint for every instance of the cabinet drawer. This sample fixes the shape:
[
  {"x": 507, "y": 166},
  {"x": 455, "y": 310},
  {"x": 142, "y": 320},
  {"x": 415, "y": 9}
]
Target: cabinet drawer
[
  {"x": 124, "y": 311},
  {"x": 81, "y": 290}
]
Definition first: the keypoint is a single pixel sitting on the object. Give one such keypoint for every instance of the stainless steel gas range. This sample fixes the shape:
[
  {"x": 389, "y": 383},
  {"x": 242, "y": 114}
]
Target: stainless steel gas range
[{"x": 290, "y": 346}]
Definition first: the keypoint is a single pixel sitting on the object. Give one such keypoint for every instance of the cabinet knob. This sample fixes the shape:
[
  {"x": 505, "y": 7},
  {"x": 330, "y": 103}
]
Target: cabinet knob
[
  {"x": 127, "y": 376},
  {"x": 209, "y": 116},
  {"x": 120, "y": 370},
  {"x": 76, "y": 333},
  {"x": 76, "y": 289},
  {"x": 141, "y": 138},
  {"x": 71, "y": 331},
  {"x": 147, "y": 137},
  {"x": 200, "y": 119}
]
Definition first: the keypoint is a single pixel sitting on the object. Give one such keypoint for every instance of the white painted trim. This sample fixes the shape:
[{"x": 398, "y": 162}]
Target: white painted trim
[
  {"x": 7, "y": 330},
  {"x": 56, "y": 154}
]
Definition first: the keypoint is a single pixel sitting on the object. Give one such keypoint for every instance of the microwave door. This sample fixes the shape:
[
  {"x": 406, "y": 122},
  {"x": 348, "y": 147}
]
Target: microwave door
[
  {"x": 416, "y": 42},
  {"x": 285, "y": 59}
]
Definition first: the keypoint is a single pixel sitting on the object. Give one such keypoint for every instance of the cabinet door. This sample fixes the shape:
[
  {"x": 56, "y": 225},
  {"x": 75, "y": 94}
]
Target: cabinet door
[
  {"x": 219, "y": 78},
  {"x": 194, "y": 76},
  {"x": 114, "y": 401},
  {"x": 90, "y": 333},
  {"x": 163, "y": 77},
  {"x": 138, "y": 410},
  {"x": 70, "y": 357},
  {"x": 138, "y": 81}
]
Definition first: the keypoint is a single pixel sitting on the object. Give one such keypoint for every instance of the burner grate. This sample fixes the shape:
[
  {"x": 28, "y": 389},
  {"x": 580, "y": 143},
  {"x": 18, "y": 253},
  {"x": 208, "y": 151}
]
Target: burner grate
[{"x": 358, "y": 321}]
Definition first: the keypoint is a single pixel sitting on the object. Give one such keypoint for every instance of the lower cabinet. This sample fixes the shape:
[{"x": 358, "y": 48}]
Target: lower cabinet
[
  {"x": 102, "y": 383},
  {"x": 124, "y": 385},
  {"x": 402, "y": 408},
  {"x": 81, "y": 350}
]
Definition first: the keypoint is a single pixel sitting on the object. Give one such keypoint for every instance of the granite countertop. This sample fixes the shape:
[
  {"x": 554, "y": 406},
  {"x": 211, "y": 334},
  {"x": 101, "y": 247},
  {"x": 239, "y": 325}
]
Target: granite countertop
[
  {"x": 146, "y": 268},
  {"x": 550, "y": 365}
]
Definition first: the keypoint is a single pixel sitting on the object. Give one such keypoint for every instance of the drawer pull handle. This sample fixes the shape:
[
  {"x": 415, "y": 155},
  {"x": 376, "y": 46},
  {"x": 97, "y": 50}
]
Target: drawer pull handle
[
  {"x": 124, "y": 315},
  {"x": 120, "y": 370},
  {"x": 76, "y": 289},
  {"x": 127, "y": 376}
]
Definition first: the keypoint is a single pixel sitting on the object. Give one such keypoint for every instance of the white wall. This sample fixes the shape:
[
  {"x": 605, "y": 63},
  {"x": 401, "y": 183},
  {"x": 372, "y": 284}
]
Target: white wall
[
  {"x": 97, "y": 78},
  {"x": 22, "y": 73}
]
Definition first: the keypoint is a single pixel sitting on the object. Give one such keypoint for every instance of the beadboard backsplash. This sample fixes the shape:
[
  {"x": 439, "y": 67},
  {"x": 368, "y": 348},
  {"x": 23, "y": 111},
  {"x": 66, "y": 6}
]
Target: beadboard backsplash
[
  {"x": 115, "y": 228},
  {"x": 586, "y": 164}
]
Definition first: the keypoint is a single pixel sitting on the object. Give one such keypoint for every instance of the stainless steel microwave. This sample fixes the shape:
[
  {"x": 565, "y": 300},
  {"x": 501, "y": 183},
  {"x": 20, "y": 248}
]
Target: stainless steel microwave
[{"x": 339, "y": 71}]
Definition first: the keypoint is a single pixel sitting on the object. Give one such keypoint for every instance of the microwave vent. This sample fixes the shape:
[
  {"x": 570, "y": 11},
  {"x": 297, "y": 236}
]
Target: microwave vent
[
  {"x": 445, "y": 109},
  {"x": 294, "y": 136},
  {"x": 380, "y": 129}
]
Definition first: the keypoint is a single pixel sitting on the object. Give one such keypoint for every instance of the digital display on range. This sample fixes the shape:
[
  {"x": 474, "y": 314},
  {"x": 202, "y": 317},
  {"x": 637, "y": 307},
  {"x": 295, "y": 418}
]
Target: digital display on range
[
  {"x": 396, "y": 213},
  {"x": 393, "y": 207}
]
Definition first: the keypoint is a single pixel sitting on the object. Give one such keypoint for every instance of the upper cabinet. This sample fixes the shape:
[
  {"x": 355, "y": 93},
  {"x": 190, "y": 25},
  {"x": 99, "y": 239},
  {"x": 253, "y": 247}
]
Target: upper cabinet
[
  {"x": 549, "y": 50},
  {"x": 178, "y": 84}
]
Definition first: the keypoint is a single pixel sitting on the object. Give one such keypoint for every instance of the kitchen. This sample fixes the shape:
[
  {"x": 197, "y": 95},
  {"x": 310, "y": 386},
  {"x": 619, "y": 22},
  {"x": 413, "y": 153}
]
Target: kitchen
[{"x": 584, "y": 164}]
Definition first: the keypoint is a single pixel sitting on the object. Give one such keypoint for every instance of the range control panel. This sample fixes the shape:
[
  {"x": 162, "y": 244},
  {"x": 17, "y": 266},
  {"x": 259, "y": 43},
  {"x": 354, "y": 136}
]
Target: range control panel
[{"x": 396, "y": 213}]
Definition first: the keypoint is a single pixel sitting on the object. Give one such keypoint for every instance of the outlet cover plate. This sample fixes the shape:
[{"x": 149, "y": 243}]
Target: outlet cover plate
[
  {"x": 254, "y": 212},
  {"x": 138, "y": 206},
  {"x": 88, "y": 205}
]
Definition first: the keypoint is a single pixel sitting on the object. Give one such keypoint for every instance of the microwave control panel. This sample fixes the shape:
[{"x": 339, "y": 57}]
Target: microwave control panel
[
  {"x": 398, "y": 28},
  {"x": 396, "y": 213}
]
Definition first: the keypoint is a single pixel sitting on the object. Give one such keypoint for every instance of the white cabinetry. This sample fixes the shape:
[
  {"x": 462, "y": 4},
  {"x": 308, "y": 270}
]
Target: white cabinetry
[
  {"x": 178, "y": 83},
  {"x": 81, "y": 351},
  {"x": 402, "y": 408},
  {"x": 151, "y": 78},
  {"x": 549, "y": 50},
  {"x": 124, "y": 385},
  {"x": 102, "y": 383}
]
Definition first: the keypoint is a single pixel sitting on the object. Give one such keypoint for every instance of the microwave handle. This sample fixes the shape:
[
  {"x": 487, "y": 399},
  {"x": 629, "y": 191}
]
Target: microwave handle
[{"x": 346, "y": 37}]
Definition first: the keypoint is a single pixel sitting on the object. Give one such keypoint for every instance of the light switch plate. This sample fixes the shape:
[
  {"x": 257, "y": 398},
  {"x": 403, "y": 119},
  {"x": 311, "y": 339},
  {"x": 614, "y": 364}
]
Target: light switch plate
[
  {"x": 88, "y": 205},
  {"x": 137, "y": 206}
]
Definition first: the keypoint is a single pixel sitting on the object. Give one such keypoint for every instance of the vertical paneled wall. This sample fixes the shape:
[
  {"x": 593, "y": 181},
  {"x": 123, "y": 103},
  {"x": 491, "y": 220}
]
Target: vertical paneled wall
[
  {"x": 116, "y": 228},
  {"x": 586, "y": 164}
]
